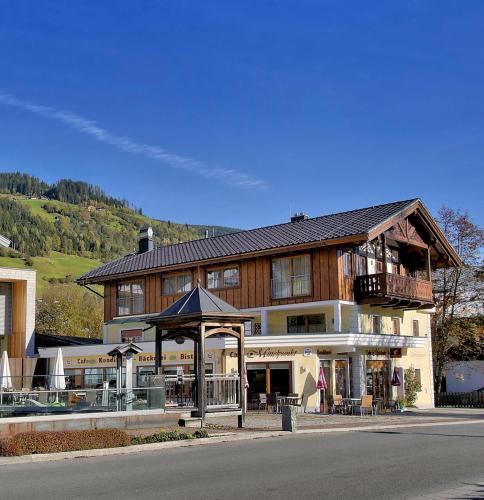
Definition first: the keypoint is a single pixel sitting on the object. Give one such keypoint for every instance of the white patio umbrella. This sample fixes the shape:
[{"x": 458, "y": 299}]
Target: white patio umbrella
[
  {"x": 5, "y": 375},
  {"x": 58, "y": 378}
]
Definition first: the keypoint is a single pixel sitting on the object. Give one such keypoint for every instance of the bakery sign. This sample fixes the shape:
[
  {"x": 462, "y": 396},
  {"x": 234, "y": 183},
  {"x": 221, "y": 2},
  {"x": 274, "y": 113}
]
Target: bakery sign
[{"x": 142, "y": 357}]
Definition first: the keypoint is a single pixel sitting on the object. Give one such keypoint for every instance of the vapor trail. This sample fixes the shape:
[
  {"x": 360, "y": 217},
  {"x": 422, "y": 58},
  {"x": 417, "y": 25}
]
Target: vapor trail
[{"x": 228, "y": 176}]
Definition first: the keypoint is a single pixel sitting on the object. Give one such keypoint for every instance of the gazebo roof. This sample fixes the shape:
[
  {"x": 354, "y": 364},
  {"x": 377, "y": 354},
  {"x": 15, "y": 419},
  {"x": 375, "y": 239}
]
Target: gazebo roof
[
  {"x": 197, "y": 304},
  {"x": 123, "y": 349}
]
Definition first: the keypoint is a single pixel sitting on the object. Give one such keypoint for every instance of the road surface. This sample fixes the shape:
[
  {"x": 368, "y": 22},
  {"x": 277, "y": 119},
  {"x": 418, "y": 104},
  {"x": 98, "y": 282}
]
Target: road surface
[{"x": 402, "y": 463}]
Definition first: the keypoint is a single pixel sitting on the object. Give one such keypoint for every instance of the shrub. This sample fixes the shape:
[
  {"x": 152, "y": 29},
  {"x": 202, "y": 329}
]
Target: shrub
[
  {"x": 57, "y": 441},
  {"x": 412, "y": 386},
  {"x": 164, "y": 436}
]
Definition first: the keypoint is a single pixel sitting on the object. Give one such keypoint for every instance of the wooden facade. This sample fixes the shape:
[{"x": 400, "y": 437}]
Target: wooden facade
[
  {"x": 254, "y": 289},
  {"x": 409, "y": 237}
]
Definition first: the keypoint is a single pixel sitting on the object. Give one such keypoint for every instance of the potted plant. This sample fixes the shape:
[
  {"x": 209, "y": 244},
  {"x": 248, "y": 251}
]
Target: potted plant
[{"x": 401, "y": 405}]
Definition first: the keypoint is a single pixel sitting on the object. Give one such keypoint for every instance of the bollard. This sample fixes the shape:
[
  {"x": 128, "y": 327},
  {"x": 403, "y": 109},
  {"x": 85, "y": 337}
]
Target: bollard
[{"x": 289, "y": 418}]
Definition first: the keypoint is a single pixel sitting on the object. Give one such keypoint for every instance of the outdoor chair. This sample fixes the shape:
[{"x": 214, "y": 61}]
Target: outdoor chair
[
  {"x": 262, "y": 402},
  {"x": 272, "y": 401},
  {"x": 366, "y": 405},
  {"x": 339, "y": 404},
  {"x": 301, "y": 403}
]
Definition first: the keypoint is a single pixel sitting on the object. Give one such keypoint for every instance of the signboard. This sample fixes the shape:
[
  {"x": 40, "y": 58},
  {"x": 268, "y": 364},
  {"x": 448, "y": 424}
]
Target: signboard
[
  {"x": 142, "y": 357},
  {"x": 307, "y": 352},
  {"x": 395, "y": 352}
]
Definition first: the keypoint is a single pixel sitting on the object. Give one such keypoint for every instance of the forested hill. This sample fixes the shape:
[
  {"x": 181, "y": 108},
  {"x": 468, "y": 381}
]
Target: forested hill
[{"x": 76, "y": 218}]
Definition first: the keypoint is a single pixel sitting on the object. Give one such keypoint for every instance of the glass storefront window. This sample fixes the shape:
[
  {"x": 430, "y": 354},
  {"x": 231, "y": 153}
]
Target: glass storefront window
[{"x": 93, "y": 377}]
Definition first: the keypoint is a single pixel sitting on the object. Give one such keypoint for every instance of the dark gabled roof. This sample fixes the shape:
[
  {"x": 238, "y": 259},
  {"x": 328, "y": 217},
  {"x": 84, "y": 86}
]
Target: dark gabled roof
[
  {"x": 199, "y": 301},
  {"x": 43, "y": 340},
  {"x": 196, "y": 305},
  {"x": 324, "y": 228}
]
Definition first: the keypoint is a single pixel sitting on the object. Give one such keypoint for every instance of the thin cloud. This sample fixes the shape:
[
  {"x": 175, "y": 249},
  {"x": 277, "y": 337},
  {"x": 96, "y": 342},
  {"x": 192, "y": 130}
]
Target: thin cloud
[{"x": 227, "y": 176}]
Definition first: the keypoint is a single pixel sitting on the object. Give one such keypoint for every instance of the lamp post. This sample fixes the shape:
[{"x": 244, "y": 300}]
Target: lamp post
[{"x": 124, "y": 350}]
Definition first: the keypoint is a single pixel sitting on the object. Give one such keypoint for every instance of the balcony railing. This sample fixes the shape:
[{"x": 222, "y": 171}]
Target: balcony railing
[
  {"x": 392, "y": 286},
  {"x": 291, "y": 286}
]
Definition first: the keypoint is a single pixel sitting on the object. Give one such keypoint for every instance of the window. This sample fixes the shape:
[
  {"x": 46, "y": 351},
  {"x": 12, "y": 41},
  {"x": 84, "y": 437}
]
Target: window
[
  {"x": 396, "y": 326},
  {"x": 348, "y": 264},
  {"x": 223, "y": 278},
  {"x": 379, "y": 266},
  {"x": 415, "y": 328},
  {"x": 177, "y": 283},
  {"x": 418, "y": 376},
  {"x": 133, "y": 335},
  {"x": 144, "y": 372},
  {"x": 310, "y": 323},
  {"x": 130, "y": 298},
  {"x": 291, "y": 276},
  {"x": 361, "y": 265},
  {"x": 93, "y": 377},
  {"x": 375, "y": 323}
]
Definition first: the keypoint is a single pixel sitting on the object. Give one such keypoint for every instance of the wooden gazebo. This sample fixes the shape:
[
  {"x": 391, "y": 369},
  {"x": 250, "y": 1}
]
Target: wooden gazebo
[{"x": 197, "y": 316}]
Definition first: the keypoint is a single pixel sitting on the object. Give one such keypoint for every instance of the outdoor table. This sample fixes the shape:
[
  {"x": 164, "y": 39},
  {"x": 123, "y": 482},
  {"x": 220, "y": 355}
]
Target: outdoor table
[{"x": 350, "y": 402}]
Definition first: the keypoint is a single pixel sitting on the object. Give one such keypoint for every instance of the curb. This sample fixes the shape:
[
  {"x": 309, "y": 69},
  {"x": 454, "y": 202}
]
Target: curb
[{"x": 217, "y": 439}]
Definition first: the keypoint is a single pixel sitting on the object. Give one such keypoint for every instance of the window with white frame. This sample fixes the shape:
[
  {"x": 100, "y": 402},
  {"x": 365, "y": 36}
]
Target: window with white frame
[
  {"x": 415, "y": 328},
  {"x": 376, "y": 323}
]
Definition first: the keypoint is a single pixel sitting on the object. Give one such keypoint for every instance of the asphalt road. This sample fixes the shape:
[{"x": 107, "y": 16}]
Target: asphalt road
[{"x": 403, "y": 463}]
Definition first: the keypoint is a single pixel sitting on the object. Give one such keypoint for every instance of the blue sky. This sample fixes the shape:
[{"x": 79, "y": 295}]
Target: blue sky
[{"x": 237, "y": 113}]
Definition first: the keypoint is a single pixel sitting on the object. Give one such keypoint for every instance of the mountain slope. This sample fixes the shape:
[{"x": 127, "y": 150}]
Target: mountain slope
[{"x": 69, "y": 227}]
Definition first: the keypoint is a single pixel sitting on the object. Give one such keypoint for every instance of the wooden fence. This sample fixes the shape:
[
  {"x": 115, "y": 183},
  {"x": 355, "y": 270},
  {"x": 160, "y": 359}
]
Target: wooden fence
[{"x": 460, "y": 399}]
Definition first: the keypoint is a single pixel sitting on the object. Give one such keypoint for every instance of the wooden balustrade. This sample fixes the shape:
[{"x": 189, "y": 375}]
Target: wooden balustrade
[{"x": 392, "y": 286}]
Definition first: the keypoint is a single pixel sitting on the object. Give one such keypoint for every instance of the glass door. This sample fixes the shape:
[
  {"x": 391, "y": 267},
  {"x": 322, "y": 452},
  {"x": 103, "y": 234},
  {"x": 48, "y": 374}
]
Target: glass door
[
  {"x": 341, "y": 378},
  {"x": 377, "y": 380},
  {"x": 326, "y": 394}
]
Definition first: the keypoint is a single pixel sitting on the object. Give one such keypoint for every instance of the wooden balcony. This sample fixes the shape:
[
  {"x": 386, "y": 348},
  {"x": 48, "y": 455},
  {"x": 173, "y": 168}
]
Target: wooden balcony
[{"x": 393, "y": 290}]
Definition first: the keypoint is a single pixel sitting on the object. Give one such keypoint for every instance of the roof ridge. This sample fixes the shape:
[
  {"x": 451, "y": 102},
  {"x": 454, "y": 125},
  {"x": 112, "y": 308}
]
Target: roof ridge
[
  {"x": 354, "y": 222},
  {"x": 211, "y": 238}
]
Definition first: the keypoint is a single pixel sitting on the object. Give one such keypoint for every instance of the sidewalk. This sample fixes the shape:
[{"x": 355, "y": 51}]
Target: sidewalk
[
  {"x": 263, "y": 421},
  {"x": 340, "y": 423}
]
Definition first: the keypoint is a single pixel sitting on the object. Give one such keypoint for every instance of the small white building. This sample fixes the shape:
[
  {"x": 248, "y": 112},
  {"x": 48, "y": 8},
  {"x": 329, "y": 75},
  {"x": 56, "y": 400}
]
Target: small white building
[{"x": 4, "y": 242}]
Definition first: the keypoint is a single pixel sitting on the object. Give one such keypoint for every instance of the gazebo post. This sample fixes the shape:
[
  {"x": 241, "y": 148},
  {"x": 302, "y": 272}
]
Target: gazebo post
[
  {"x": 201, "y": 374},
  {"x": 195, "y": 370},
  {"x": 241, "y": 369},
  {"x": 158, "y": 351}
]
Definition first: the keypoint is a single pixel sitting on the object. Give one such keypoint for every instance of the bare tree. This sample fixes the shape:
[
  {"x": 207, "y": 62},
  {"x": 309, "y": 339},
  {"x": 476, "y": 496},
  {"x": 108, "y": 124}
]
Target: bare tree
[{"x": 458, "y": 292}]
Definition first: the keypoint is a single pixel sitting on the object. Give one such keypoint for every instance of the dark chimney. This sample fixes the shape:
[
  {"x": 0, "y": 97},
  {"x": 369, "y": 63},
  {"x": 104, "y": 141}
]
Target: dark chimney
[
  {"x": 145, "y": 240},
  {"x": 299, "y": 217}
]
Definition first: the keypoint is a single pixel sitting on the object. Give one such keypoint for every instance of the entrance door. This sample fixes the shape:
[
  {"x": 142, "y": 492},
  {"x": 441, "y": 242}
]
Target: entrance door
[
  {"x": 341, "y": 378},
  {"x": 325, "y": 394},
  {"x": 267, "y": 378},
  {"x": 377, "y": 380}
]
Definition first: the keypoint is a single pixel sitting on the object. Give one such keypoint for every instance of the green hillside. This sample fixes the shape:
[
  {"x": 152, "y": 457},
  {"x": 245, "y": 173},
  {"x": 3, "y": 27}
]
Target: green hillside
[
  {"x": 65, "y": 229},
  {"x": 54, "y": 268}
]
